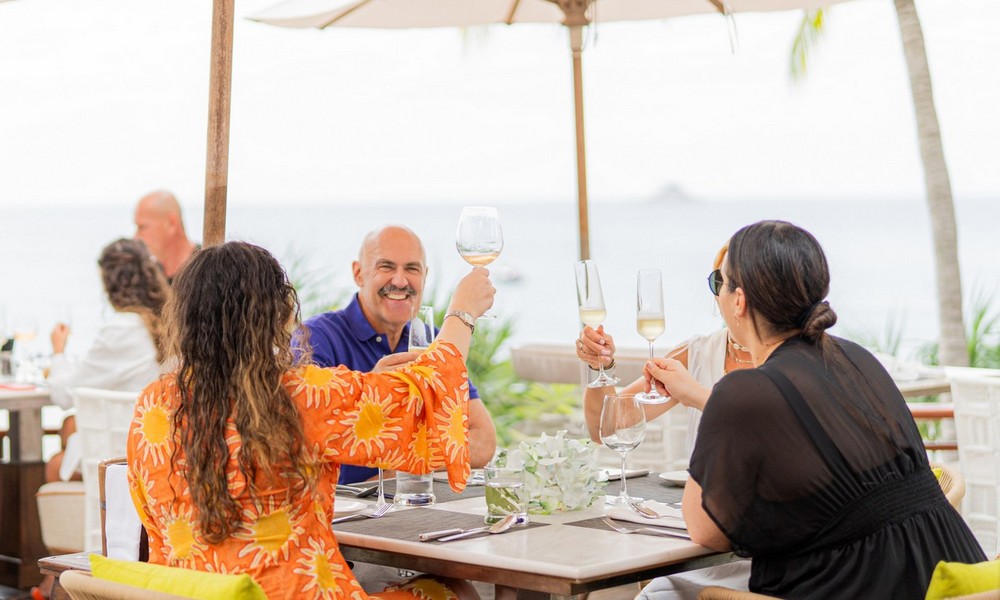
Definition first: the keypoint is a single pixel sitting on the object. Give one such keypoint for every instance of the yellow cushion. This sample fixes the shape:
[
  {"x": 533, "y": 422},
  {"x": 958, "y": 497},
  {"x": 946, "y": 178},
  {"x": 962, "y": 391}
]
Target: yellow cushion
[
  {"x": 200, "y": 585},
  {"x": 958, "y": 579},
  {"x": 937, "y": 472}
]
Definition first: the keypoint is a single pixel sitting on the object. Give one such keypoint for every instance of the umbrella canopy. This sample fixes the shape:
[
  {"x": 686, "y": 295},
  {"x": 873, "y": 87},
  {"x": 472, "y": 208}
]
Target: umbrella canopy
[{"x": 574, "y": 14}]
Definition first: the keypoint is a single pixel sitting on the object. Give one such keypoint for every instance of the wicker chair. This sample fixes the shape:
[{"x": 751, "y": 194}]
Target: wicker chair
[
  {"x": 82, "y": 586},
  {"x": 952, "y": 484}
]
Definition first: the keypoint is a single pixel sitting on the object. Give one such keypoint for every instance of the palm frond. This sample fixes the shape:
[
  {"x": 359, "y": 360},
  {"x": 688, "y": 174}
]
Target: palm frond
[{"x": 810, "y": 30}]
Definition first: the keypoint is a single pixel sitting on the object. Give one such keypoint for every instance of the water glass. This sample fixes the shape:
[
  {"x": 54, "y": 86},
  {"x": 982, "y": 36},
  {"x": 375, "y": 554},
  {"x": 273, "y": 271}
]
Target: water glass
[
  {"x": 505, "y": 494},
  {"x": 413, "y": 489},
  {"x": 421, "y": 328}
]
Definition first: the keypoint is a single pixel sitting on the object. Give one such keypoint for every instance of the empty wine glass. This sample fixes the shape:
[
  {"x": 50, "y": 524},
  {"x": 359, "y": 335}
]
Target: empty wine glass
[
  {"x": 479, "y": 238},
  {"x": 381, "y": 501},
  {"x": 649, "y": 320},
  {"x": 623, "y": 427},
  {"x": 592, "y": 312}
]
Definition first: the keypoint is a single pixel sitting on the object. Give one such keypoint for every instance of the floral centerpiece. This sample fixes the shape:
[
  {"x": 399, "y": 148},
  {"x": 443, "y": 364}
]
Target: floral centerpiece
[{"x": 560, "y": 474}]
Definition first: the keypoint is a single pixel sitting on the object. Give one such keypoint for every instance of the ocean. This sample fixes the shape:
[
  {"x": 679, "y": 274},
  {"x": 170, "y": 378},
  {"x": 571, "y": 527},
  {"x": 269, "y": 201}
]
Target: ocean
[{"x": 880, "y": 255}]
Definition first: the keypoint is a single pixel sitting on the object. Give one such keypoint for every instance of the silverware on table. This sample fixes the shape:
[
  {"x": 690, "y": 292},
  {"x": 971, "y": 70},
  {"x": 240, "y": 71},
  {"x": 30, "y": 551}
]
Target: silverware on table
[
  {"x": 448, "y": 535},
  {"x": 366, "y": 514},
  {"x": 675, "y": 533}
]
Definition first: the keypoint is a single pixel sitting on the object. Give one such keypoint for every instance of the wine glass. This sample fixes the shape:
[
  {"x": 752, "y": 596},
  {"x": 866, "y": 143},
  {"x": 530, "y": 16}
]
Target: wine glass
[
  {"x": 623, "y": 427},
  {"x": 649, "y": 320},
  {"x": 592, "y": 311},
  {"x": 479, "y": 239},
  {"x": 381, "y": 501}
]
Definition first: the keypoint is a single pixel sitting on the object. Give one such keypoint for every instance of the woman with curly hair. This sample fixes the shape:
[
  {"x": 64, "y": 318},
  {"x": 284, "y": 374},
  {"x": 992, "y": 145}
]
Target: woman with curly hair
[
  {"x": 233, "y": 458},
  {"x": 128, "y": 351}
]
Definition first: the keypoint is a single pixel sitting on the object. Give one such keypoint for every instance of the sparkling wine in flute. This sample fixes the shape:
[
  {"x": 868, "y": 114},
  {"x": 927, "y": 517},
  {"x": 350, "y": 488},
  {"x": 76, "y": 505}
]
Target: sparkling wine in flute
[
  {"x": 590, "y": 300},
  {"x": 593, "y": 316},
  {"x": 649, "y": 320},
  {"x": 650, "y": 327}
]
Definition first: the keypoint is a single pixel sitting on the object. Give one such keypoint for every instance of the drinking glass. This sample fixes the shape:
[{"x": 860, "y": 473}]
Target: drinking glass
[
  {"x": 592, "y": 312},
  {"x": 505, "y": 494},
  {"x": 650, "y": 321},
  {"x": 421, "y": 328},
  {"x": 623, "y": 427},
  {"x": 479, "y": 239}
]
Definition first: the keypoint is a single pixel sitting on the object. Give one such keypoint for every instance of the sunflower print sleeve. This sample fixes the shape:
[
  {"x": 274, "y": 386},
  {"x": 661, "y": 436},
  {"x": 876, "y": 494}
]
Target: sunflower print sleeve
[{"x": 413, "y": 419}]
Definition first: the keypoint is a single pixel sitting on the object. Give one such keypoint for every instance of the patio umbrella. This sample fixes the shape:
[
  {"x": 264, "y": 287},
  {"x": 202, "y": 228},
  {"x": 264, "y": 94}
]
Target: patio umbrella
[{"x": 574, "y": 14}]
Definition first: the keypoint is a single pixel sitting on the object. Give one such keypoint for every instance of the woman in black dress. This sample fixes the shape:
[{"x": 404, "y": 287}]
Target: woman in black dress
[{"x": 811, "y": 463}]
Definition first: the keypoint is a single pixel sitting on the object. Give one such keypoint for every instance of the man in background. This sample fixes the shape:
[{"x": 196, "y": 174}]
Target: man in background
[
  {"x": 159, "y": 225},
  {"x": 372, "y": 333}
]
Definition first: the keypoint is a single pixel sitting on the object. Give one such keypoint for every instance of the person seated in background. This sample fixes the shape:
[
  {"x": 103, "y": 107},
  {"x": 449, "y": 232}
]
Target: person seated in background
[
  {"x": 707, "y": 358},
  {"x": 810, "y": 463},
  {"x": 233, "y": 458},
  {"x": 371, "y": 333},
  {"x": 128, "y": 351},
  {"x": 159, "y": 224}
]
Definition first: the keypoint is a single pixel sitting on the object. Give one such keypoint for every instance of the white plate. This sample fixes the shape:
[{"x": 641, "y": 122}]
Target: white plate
[
  {"x": 346, "y": 507},
  {"x": 675, "y": 477}
]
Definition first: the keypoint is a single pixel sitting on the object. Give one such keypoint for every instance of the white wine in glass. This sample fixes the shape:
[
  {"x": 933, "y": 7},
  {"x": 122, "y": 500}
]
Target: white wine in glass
[
  {"x": 479, "y": 238},
  {"x": 590, "y": 298},
  {"x": 649, "y": 320}
]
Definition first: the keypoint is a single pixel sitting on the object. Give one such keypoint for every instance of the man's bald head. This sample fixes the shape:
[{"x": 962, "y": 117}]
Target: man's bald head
[
  {"x": 390, "y": 273},
  {"x": 159, "y": 225}
]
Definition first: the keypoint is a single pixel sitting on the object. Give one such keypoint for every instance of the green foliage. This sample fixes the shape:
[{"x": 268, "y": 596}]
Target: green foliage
[
  {"x": 312, "y": 285},
  {"x": 808, "y": 35},
  {"x": 888, "y": 342},
  {"x": 983, "y": 335},
  {"x": 510, "y": 401}
]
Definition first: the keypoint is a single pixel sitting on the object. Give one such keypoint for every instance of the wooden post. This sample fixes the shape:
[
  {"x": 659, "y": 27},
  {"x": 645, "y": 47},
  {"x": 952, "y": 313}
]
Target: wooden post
[
  {"x": 576, "y": 45},
  {"x": 217, "y": 155}
]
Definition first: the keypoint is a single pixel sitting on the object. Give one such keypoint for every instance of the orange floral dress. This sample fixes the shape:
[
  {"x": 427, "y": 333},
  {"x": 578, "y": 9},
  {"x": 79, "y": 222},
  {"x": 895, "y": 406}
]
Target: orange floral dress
[{"x": 414, "y": 419}]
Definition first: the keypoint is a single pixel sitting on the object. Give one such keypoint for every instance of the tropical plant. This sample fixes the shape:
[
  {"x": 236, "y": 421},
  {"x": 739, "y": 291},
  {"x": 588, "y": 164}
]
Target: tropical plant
[
  {"x": 983, "y": 336},
  {"x": 936, "y": 179},
  {"x": 510, "y": 401},
  {"x": 888, "y": 342}
]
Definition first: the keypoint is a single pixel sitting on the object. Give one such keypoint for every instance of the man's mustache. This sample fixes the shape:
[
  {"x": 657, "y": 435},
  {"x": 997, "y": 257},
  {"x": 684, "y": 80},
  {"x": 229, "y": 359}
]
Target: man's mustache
[{"x": 391, "y": 289}]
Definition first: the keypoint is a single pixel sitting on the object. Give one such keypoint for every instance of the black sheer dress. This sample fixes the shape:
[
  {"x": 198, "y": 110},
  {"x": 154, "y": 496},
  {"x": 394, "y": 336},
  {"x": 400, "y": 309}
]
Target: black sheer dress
[{"x": 812, "y": 465}]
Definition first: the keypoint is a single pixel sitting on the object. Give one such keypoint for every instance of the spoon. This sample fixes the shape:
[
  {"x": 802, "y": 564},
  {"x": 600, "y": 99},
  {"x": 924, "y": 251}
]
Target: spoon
[{"x": 499, "y": 527}]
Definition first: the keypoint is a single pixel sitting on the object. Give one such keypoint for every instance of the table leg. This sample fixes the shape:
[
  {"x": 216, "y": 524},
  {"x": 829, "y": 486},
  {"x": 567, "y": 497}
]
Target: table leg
[{"x": 20, "y": 532}]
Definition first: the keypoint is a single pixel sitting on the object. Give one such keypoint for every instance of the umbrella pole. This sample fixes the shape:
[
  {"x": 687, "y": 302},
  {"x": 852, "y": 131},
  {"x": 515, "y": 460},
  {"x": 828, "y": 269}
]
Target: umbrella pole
[
  {"x": 576, "y": 46},
  {"x": 217, "y": 155}
]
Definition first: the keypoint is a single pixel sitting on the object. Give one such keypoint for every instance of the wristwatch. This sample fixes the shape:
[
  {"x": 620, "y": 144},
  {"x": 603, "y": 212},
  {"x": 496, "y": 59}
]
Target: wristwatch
[{"x": 465, "y": 317}]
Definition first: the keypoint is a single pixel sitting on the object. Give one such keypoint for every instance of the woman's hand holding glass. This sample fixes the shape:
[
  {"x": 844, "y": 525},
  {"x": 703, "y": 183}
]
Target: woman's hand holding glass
[
  {"x": 669, "y": 377},
  {"x": 595, "y": 347}
]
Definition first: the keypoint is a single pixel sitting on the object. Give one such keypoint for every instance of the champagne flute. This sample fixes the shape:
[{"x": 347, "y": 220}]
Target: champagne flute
[
  {"x": 650, "y": 321},
  {"x": 592, "y": 312},
  {"x": 623, "y": 427},
  {"x": 479, "y": 238}
]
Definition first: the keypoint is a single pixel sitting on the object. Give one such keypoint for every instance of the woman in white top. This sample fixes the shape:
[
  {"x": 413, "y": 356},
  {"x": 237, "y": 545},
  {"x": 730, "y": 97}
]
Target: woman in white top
[
  {"x": 707, "y": 358},
  {"x": 127, "y": 353}
]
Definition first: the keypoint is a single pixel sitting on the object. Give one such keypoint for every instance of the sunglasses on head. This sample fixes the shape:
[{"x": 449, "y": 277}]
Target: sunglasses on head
[{"x": 715, "y": 281}]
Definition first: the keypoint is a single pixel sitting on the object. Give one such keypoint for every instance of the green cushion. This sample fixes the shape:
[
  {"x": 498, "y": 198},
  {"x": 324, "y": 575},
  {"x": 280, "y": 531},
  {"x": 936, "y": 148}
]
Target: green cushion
[
  {"x": 200, "y": 585},
  {"x": 958, "y": 579}
]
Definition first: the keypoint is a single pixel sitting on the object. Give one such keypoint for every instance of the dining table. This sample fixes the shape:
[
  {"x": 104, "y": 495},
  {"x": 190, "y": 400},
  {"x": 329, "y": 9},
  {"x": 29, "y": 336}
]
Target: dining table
[
  {"x": 22, "y": 472},
  {"x": 560, "y": 554}
]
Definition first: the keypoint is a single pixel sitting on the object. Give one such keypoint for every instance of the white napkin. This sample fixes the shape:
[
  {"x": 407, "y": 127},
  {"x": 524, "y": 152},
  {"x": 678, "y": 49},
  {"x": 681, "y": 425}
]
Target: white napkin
[
  {"x": 672, "y": 517},
  {"x": 122, "y": 526}
]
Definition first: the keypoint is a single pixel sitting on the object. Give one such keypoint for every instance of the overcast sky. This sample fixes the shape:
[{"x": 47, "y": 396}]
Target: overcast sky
[{"x": 101, "y": 101}]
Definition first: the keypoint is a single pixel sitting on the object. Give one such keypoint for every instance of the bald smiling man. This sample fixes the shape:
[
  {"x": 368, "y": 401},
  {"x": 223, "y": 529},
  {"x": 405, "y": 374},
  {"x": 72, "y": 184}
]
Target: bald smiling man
[{"x": 371, "y": 333}]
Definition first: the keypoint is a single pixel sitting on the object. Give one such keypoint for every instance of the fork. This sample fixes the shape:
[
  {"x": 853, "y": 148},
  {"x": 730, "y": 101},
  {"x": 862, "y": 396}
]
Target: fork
[
  {"x": 378, "y": 512},
  {"x": 620, "y": 529}
]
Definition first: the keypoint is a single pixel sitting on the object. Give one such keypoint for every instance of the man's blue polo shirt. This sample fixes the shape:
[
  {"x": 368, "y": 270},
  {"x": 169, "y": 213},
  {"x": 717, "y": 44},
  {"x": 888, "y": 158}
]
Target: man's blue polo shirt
[{"x": 344, "y": 337}]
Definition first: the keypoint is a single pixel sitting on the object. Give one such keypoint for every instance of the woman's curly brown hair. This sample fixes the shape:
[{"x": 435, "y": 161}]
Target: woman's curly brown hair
[
  {"x": 135, "y": 283},
  {"x": 229, "y": 324}
]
